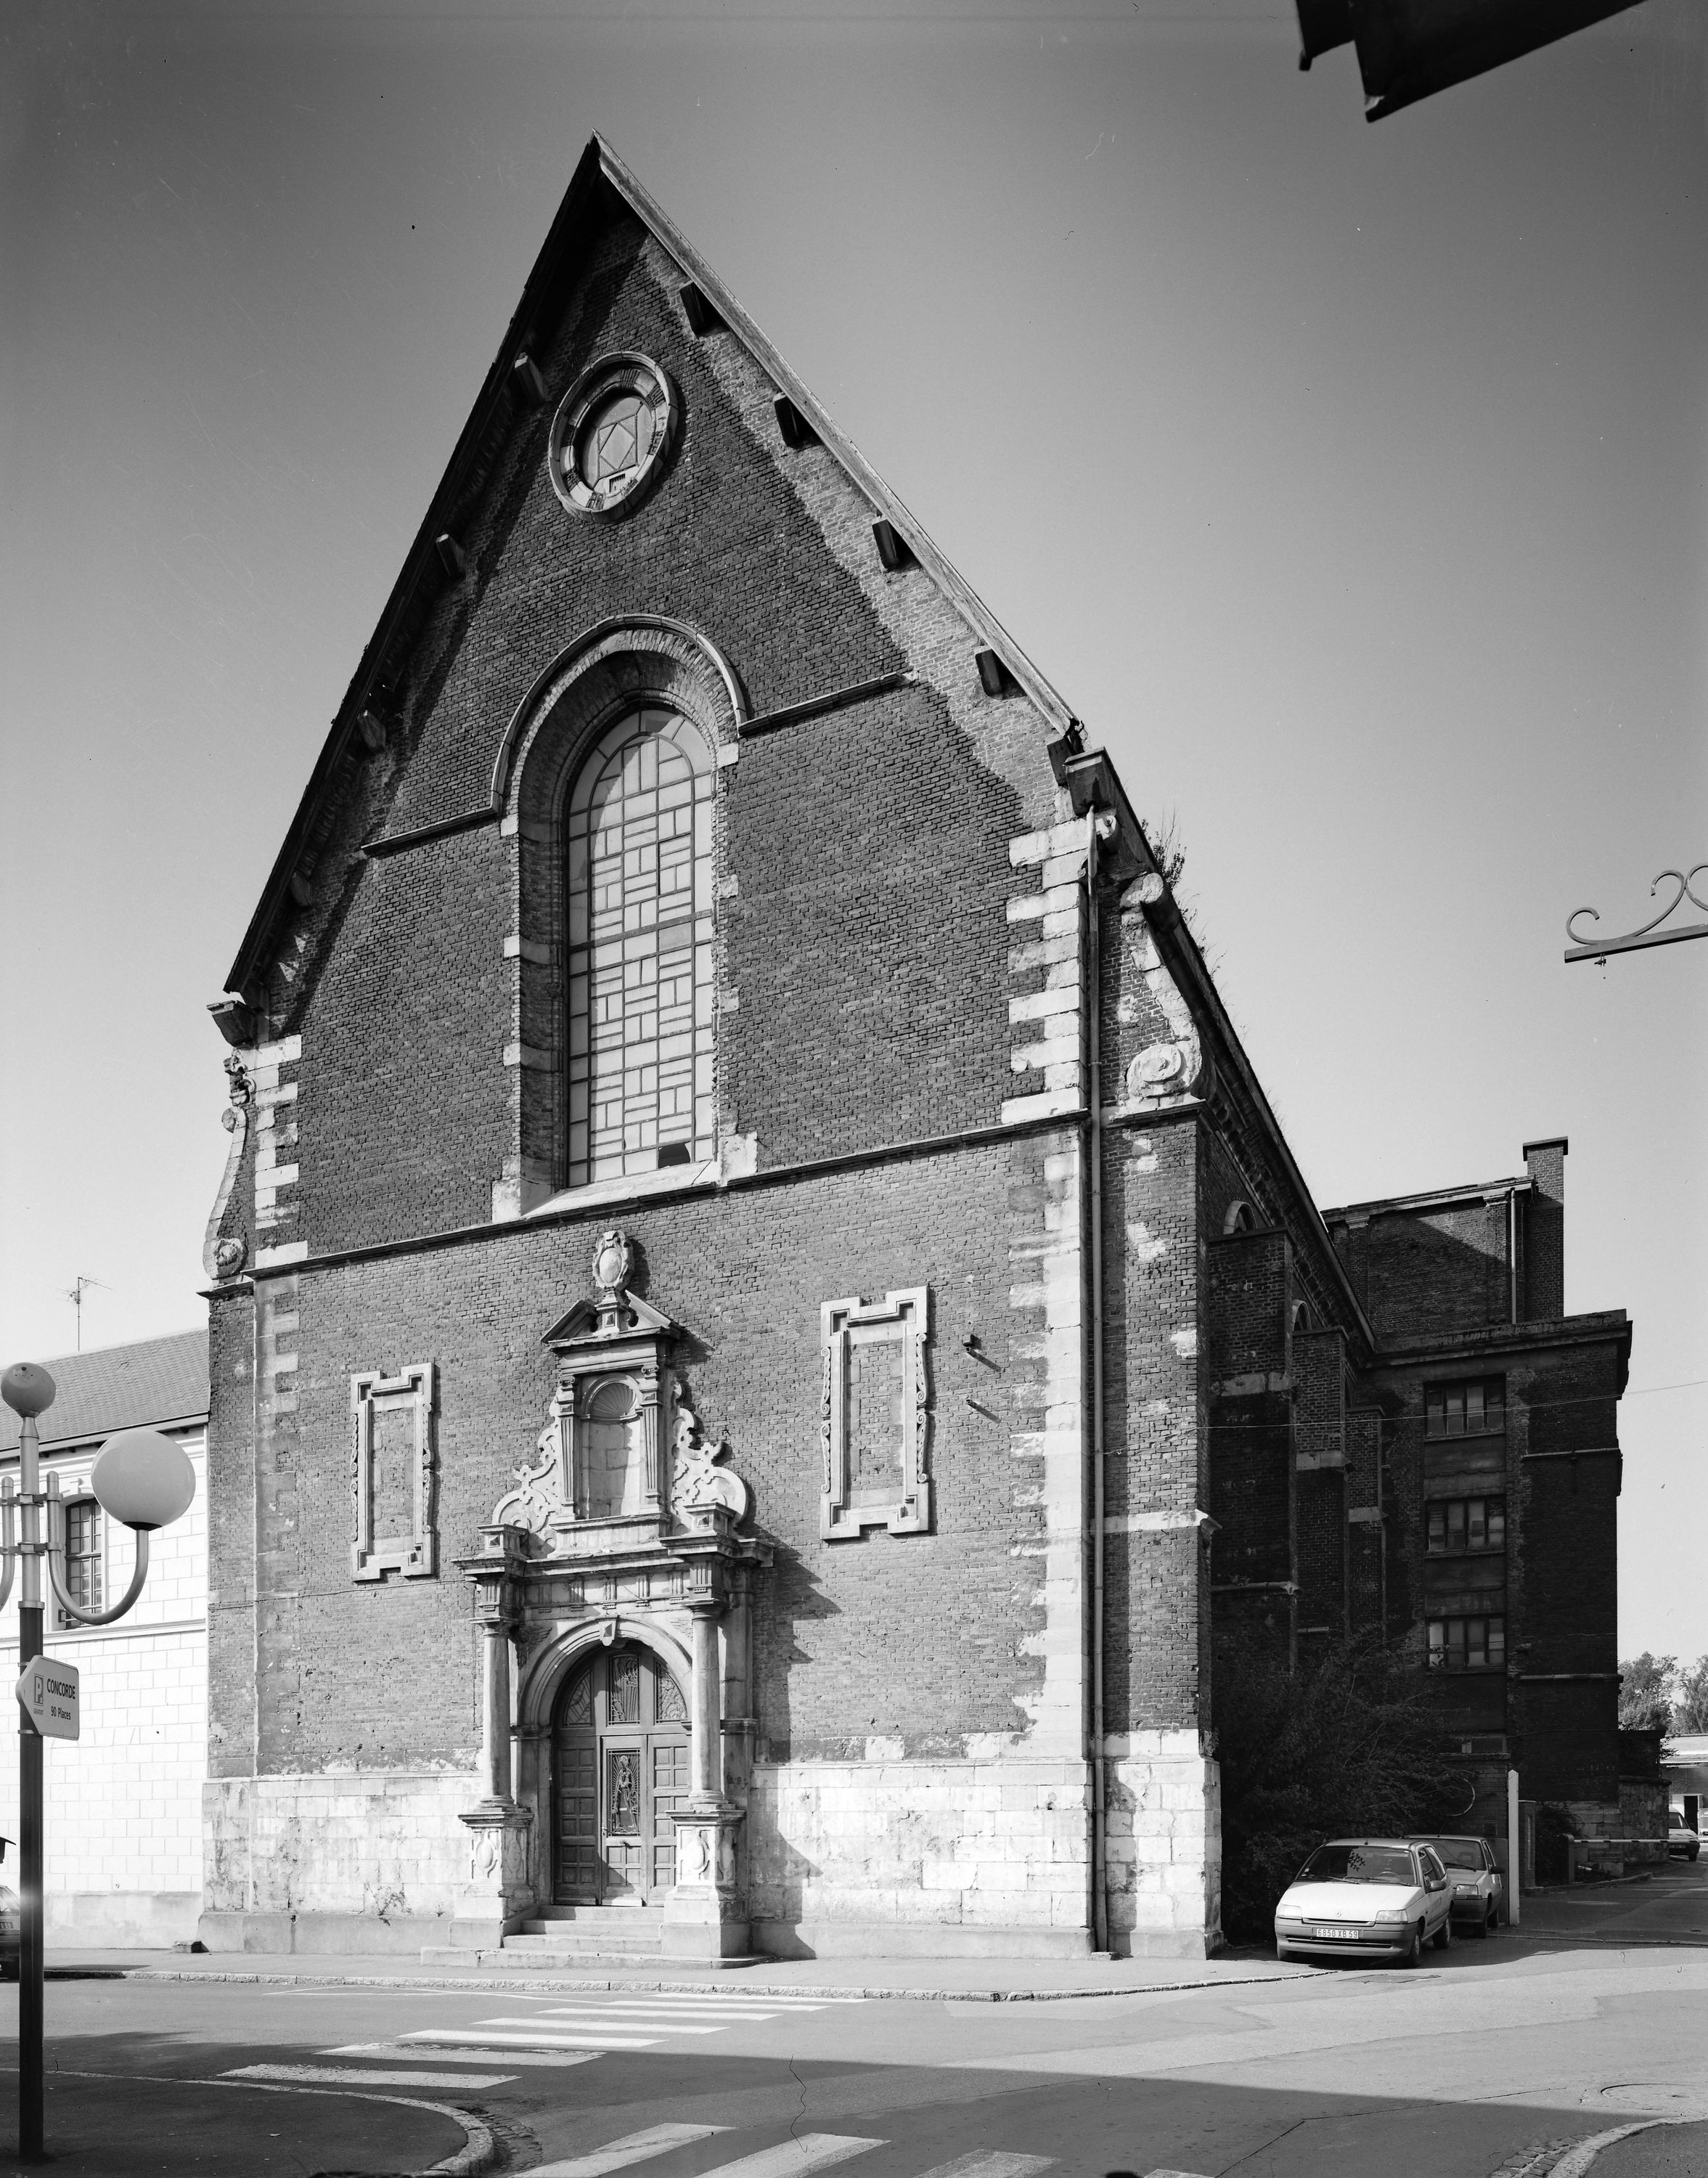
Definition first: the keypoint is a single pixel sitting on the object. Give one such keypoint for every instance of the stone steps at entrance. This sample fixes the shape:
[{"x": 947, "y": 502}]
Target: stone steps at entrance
[{"x": 589, "y": 1932}]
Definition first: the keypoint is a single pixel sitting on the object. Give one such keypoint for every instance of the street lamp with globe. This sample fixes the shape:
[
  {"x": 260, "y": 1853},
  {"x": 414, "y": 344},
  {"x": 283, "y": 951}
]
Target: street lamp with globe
[{"x": 144, "y": 1481}]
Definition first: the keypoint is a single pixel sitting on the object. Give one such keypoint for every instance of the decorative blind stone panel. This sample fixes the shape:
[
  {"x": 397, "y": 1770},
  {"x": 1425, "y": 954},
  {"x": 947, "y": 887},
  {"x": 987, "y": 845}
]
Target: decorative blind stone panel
[
  {"x": 875, "y": 1417},
  {"x": 391, "y": 1475}
]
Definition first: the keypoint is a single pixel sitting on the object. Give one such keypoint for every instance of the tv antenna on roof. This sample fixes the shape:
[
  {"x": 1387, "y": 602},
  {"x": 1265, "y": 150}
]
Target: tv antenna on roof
[{"x": 73, "y": 1293}]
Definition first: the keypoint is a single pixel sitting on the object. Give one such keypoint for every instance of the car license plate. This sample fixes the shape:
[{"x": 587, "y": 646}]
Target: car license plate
[{"x": 1349, "y": 1935}]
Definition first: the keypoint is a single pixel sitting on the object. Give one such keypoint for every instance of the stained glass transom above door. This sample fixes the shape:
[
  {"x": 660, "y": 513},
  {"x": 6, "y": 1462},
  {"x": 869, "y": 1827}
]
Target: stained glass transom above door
[{"x": 641, "y": 996}]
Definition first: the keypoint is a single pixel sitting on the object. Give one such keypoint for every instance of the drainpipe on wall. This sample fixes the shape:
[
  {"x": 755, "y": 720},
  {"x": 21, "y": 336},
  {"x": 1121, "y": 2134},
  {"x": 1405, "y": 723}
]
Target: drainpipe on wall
[
  {"x": 1100, "y": 1902},
  {"x": 1512, "y": 1249}
]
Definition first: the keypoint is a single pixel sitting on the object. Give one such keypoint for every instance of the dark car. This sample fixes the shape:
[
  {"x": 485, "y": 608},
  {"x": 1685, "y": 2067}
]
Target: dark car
[{"x": 1474, "y": 1880}]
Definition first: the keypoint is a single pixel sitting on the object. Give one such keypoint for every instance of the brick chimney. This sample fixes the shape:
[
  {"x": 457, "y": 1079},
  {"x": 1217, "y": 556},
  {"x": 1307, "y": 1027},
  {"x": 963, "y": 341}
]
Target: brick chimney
[{"x": 1545, "y": 1230}]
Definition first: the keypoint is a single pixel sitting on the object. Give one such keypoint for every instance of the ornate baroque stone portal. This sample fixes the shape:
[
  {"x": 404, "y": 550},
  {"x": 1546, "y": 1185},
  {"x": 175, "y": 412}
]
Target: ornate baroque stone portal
[{"x": 625, "y": 1523}]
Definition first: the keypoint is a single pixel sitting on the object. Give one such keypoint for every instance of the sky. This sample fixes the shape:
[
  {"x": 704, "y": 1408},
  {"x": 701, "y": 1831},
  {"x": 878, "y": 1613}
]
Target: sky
[{"x": 1350, "y": 483}]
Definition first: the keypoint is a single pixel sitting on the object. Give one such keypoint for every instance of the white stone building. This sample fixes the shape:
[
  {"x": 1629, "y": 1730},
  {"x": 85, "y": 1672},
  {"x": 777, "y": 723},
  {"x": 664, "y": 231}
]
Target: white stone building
[{"x": 123, "y": 1803}]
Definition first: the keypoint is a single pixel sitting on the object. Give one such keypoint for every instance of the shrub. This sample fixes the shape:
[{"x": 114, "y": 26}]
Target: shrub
[{"x": 1350, "y": 1747}]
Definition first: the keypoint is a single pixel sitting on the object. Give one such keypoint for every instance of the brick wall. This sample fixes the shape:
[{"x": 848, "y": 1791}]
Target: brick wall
[
  {"x": 863, "y": 991},
  {"x": 1156, "y": 1467},
  {"x": 1251, "y": 1475},
  {"x": 923, "y": 1639},
  {"x": 1319, "y": 1452},
  {"x": 1419, "y": 1271}
]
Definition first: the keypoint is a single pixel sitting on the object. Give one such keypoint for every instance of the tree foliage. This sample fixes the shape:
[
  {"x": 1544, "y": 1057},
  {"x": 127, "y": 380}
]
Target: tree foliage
[
  {"x": 1350, "y": 1747},
  {"x": 1645, "y": 1693},
  {"x": 1690, "y": 1709}
]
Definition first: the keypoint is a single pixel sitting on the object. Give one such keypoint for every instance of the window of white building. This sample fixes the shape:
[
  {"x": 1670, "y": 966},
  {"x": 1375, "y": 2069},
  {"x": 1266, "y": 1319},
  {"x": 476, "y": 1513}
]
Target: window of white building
[{"x": 83, "y": 1555}]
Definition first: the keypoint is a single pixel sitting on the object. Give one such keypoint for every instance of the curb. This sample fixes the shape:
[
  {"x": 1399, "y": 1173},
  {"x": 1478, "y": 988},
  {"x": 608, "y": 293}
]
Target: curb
[
  {"x": 556, "y": 1984},
  {"x": 478, "y": 2153},
  {"x": 1577, "y": 2160}
]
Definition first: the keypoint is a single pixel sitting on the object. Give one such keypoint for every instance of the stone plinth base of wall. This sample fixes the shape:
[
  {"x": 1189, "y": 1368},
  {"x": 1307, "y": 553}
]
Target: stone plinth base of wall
[
  {"x": 921, "y": 1853},
  {"x": 1163, "y": 1799},
  {"x": 123, "y": 1920},
  {"x": 915, "y": 1940},
  {"x": 322, "y": 1934},
  {"x": 362, "y": 1861}
]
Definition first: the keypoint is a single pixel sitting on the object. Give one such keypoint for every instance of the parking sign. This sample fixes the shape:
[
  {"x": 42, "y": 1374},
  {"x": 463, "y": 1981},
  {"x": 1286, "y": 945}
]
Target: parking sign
[{"x": 49, "y": 1692}]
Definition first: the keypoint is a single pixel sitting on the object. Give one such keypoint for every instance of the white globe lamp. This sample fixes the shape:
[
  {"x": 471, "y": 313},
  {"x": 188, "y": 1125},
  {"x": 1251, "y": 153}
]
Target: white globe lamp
[{"x": 143, "y": 1479}]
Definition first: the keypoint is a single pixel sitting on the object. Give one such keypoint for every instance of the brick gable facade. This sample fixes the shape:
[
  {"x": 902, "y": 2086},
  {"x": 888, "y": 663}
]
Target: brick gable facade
[{"x": 965, "y": 1050}]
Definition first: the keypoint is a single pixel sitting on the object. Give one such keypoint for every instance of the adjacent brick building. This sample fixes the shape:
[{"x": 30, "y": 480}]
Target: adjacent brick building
[{"x": 753, "y": 1262}]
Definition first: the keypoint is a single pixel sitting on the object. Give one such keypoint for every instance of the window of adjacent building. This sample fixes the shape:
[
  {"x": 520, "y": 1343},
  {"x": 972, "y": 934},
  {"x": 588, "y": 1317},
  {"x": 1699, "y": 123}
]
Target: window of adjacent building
[
  {"x": 1469, "y": 1409},
  {"x": 1466, "y": 1523},
  {"x": 1467, "y": 1645},
  {"x": 640, "y": 998},
  {"x": 83, "y": 1554}
]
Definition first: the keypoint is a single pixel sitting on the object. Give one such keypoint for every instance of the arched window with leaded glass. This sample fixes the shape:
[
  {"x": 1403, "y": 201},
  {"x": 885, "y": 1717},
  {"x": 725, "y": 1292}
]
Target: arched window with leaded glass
[{"x": 641, "y": 1000}]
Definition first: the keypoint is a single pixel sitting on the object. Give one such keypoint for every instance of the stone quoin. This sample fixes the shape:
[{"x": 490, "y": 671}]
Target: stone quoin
[{"x": 762, "y": 1328}]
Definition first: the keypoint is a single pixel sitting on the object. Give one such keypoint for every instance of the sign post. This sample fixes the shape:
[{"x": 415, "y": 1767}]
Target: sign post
[
  {"x": 145, "y": 1480},
  {"x": 1514, "y": 1852}
]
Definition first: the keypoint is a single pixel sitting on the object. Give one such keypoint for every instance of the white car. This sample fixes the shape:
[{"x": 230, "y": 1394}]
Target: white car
[
  {"x": 1474, "y": 1881},
  {"x": 1681, "y": 1838},
  {"x": 1366, "y": 1898}
]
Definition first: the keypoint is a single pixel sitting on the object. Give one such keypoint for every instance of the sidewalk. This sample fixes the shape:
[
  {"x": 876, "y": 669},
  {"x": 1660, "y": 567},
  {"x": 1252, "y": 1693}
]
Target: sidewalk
[
  {"x": 973, "y": 1981},
  {"x": 101, "y": 2126}
]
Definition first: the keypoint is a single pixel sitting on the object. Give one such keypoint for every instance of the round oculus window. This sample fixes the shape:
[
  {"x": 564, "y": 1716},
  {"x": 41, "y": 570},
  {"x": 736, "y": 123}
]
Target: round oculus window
[{"x": 611, "y": 430}]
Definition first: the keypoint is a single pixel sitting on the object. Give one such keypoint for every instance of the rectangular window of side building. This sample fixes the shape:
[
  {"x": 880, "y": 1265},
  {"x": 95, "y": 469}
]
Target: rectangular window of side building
[
  {"x": 1475, "y": 1407},
  {"x": 1468, "y": 1645},
  {"x": 83, "y": 1557},
  {"x": 1465, "y": 1523}
]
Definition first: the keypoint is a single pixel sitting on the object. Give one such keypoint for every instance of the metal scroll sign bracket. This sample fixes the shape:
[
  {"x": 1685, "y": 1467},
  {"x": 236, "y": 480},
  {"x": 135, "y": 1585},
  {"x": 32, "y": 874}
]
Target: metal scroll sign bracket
[{"x": 1651, "y": 933}]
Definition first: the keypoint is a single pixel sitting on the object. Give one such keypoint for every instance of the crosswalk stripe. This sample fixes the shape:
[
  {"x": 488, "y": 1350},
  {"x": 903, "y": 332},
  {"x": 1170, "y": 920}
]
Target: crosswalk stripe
[
  {"x": 665, "y": 2000},
  {"x": 634, "y": 2148},
  {"x": 994, "y": 2162},
  {"x": 710, "y": 2008},
  {"x": 502, "y": 2040},
  {"x": 468, "y": 2051},
  {"x": 349, "y": 2077},
  {"x": 792, "y": 2159},
  {"x": 621, "y": 2026}
]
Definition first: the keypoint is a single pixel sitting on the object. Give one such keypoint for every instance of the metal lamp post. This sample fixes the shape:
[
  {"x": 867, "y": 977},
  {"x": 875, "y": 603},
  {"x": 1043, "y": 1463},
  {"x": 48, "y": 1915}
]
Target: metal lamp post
[{"x": 144, "y": 1481}]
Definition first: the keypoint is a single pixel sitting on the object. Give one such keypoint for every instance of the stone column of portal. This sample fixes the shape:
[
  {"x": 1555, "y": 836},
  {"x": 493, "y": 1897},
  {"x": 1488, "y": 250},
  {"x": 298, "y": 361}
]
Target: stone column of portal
[
  {"x": 494, "y": 1714},
  {"x": 498, "y": 1892},
  {"x": 705, "y": 1916},
  {"x": 707, "y": 1757}
]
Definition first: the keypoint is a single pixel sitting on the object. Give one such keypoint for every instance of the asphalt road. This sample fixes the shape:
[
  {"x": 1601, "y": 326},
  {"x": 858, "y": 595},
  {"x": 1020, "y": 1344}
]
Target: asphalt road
[{"x": 1494, "y": 2058}]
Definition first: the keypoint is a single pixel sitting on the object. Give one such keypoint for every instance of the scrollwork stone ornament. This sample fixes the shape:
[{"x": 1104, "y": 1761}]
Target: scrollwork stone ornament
[
  {"x": 1172, "y": 1065},
  {"x": 534, "y": 1501},
  {"x": 223, "y": 1256},
  {"x": 698, "y": 1484}
]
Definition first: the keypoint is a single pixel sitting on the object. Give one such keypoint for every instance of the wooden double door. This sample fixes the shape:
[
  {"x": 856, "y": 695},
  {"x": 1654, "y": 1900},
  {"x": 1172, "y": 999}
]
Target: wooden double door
[{"x": 620, "y": 1768}]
